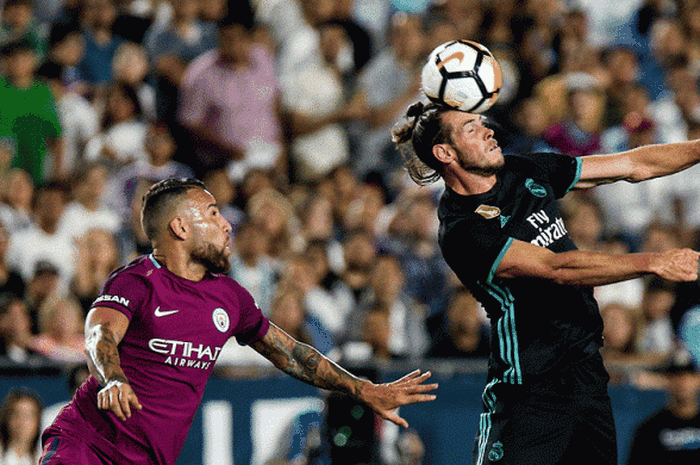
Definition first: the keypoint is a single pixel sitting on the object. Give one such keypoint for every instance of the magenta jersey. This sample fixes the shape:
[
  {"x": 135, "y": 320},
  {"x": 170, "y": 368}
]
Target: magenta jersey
[{"x": 176, "y": 331}]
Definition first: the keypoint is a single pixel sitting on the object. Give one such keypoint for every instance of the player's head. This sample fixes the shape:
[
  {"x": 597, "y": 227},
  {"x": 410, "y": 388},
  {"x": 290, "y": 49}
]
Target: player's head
[
  {"x": 184, "y": 212},
  {"x": 438, "y": 138}
]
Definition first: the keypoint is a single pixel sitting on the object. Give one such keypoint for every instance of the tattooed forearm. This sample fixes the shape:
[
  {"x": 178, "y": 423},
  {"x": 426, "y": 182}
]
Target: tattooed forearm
[
  {"x": 306, "y": 364},
  {"x": 103, "y": 355}
]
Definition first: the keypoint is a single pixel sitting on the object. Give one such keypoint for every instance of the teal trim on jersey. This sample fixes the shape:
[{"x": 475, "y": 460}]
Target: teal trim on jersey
[
  {"x": 506, "y": 332},
  {"x": 485, "y": 422},
  {"x": 577, "y": 176},
  {"x": 154, "y": 261},
  {"x": 498, "y": 259}
]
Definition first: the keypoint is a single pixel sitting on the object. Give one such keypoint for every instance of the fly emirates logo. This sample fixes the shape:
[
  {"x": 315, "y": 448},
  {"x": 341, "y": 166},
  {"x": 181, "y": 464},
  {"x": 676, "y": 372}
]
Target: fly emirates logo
[
  {"x": 549, "y": 231},
  {"x": 184, "y": 353}
]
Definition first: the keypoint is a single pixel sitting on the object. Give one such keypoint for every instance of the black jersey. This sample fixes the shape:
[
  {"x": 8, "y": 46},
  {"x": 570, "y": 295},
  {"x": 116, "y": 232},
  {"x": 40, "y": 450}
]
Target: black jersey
[{"x": 539, "y": 329}]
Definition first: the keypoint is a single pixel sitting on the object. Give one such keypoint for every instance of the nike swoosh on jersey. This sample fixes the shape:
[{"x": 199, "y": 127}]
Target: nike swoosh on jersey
[{"x": 158, "y": 312}]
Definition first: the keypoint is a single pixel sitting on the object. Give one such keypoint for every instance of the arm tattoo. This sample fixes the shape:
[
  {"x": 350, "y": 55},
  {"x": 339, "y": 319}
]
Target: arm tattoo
[
  {"x": 103, "y": 355},
  {"x": 306, "y": 364}
]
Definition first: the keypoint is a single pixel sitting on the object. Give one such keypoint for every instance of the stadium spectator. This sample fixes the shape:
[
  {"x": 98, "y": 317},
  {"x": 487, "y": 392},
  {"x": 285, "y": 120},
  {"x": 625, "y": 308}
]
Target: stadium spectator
[
  {"x": 87, "y": 210},
  {"x": 359, "y": 256},
  {"x": 622, "y": 326},
  {"x": 241, "y": 125},
  {"x": 20, "y": 426},
  {"x": 657, "y": 338},
  {"x": 289, "y": 313},
  {"x": 221, "y": 187},
  {"x": 20, "y": 23},
  {"x": 79, "y": 120},
  {"x": 160, "y": 148},
  {"x": 407, "y": 319},
  {"x": 252, "y": 266},
  {"x": 29, "y": 116},
  {"x": 171, "y": 47},
  {"x": 16, "y": 335},
  {"x": 60, "y": 337},
  {"x": 463, "y": 330},
  {"x": 386, "y": 85},
  {"x": 272, "y": 211},
  {"x": 96, "y": 21},
  {"x": 122, "y": 134},
  {"x": 96, "y": 256},
  {"x": 10, "y": 280},
  {"x": 67, "y": 49},
  {"x": 44, "y": 241},
  {"x": 670, "y": 435},
  {"x": 130, "y": 66},
  {"x": 578, "y": 134},
  {"x": 16, "y": 199}
]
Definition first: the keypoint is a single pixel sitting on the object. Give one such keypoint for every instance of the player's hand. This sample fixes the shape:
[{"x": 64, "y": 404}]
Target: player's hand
[
  {"x": 384, "y": 399},
  {"x": 677, "y": 265},
  {"x": 118, "y": 397}
]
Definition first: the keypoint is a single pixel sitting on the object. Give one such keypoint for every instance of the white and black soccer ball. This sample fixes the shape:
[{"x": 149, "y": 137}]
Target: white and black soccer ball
[{"x": 463, "y": 75}]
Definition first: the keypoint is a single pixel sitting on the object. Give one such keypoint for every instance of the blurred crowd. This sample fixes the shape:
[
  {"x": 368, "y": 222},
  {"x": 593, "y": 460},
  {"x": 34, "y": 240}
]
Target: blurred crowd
[{"x": 284, "y": 109}]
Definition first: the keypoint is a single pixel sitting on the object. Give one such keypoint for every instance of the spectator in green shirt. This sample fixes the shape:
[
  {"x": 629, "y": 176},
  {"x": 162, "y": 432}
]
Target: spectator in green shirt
[{"x": 28, "y": 114}]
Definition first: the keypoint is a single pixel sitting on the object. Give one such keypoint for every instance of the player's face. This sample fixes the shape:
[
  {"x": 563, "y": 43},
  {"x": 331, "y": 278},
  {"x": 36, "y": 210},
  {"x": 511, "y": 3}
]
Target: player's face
[
  {"x": 210, "y": 232},
  {"x": 477, "y": 150}
]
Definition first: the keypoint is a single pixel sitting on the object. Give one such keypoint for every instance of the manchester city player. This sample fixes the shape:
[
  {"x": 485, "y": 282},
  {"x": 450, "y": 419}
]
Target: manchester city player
[
  {"x": 501, "y": 232},
  {"x": 157, "y": 328}
]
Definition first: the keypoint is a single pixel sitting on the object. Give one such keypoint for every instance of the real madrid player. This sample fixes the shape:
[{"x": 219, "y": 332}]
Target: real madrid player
[
  {"x": 501, "y": 232},
  {"x": 153, "y": 335}
]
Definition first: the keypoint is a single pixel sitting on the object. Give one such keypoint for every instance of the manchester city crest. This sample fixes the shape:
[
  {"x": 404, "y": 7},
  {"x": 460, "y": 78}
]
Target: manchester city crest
[{"x": 221, "y": 320}]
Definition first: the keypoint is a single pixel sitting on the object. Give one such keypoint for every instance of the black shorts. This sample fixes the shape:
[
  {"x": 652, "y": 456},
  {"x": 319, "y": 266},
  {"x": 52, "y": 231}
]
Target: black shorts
[{"x": 546, "y": 426}]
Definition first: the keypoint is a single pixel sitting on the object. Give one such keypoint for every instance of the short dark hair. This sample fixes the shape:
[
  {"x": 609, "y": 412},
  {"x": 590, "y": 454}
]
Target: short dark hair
[
  {"x": 161, "y": 195},
  {"x": 423, "y": 132}
]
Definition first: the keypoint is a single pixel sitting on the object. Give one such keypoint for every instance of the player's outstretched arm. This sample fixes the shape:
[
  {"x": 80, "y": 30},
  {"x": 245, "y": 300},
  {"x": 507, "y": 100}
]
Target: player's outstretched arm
[
  {"x": 104, "y": 329},
  {"x": 639, "y": 164},
  {"x": 585, "y": 268},
  {"x": 307, "y": 364}
]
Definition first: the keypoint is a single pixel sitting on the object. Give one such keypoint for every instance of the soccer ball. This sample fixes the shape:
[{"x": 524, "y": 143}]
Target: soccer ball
[{"x": 463, "y": 75}]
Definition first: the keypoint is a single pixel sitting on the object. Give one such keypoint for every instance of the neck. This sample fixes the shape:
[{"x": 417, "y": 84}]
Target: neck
[
  {"x": 179, "y": 263},
  {"x": 469, "y": 183},
  {"x": 23, "y": 82}
]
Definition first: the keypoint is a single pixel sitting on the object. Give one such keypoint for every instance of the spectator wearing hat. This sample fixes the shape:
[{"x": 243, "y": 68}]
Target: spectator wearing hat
[{"x": 672, "y": 435}]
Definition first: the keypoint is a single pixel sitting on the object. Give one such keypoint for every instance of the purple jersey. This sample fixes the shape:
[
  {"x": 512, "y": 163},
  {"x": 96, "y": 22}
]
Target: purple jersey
[{"x": 177, "y": 330}]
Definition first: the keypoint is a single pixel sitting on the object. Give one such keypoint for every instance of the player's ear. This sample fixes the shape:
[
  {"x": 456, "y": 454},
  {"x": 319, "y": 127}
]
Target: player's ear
[
  {"x": 179, "y": 227},
  {"x": 443, "y": 152}
]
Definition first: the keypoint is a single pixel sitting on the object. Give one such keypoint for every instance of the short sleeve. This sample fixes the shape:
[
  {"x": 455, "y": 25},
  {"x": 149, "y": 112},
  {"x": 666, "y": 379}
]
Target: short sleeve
[
  {"x": 252, "y": 325},
  {"x": 562, "y": 172},
  {"x": 474, "y": 248},
  {"x": 124, "y": 292}
]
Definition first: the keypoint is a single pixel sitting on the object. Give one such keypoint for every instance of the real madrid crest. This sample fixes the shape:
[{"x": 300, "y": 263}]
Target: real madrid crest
[
  {"x": 221, "y": 319},
  {"x": 487, "y": 211}
]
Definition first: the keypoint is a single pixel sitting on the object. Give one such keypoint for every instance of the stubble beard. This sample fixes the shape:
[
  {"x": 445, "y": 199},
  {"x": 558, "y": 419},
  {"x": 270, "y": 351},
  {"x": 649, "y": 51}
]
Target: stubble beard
[
  {"x": 484, "y": 169},
  {"x": 214, "y": 260}
]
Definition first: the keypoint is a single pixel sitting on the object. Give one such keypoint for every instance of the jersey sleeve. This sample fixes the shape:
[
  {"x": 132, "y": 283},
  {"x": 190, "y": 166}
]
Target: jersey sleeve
[
  {"x": 561, "y": 171},
  {"x": 474, "y": 247},
  {"x": 252, "y": 325},
  {"x": 124, "y": 292}
]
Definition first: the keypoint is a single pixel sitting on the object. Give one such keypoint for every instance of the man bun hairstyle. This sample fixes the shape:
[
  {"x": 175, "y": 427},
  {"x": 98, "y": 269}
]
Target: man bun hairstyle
[
  {"x": 423, "y": 131},
  {"x": 159, "y": 198}
]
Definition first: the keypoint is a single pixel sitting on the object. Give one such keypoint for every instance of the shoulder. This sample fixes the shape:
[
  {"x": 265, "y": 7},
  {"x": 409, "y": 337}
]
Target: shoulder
[
  {"x": 203, "y": 63},
  {"x": 138, "y": 270}
]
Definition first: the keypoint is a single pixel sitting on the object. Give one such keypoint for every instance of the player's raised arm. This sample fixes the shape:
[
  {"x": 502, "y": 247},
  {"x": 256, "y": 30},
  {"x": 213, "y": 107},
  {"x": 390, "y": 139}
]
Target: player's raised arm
[
  {"x": 307, "y": 364},
  {"x": 639, "y": 164},
  {"x": 584, "y": 268},
  {"x": 104, "y": 329}
]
